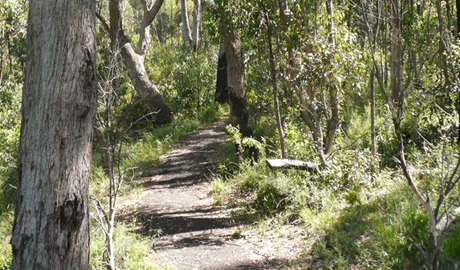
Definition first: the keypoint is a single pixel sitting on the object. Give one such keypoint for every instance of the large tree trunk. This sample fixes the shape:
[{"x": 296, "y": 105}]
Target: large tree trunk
[
  {"x": 51, "y": 227},
  {"x": 235, "y": 80}
]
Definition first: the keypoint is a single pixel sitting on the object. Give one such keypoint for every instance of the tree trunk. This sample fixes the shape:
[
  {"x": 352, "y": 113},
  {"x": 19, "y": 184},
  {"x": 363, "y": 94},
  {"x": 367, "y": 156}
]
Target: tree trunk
[
  {"x": 334, "y": 122},
  {"x": 51, "y": 226},
  {"x": 396, "y": 53},
  {"x": 396, "y": 104},
  {"x": 279, "y": 123},
  {"x": 291, "y": 82},
  {"x": 449, "y": 16},
  {"x": 457, "y": 31},
  {"x": 185, "y": 23},
  {"x": 372, "y": 97},
  {"x": 146, "y": 89},
  {"x": 221, "y": 80},
  {"x": 441, "y": 47},
  {"x": 134, "y": 60},
  {"x": 235, "y": 79},
  {"x": 457, "y": 28},
  {"x": 196, "y": 24}
]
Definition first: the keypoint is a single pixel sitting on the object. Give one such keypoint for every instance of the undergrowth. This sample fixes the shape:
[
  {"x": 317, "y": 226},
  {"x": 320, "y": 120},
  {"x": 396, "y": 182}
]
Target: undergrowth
[
  {"x": 131, "y": 250},
  {"x": 6, "y": 223},
  {"x": 353, "y": 213},
  {"x": 145, "y": 152}
]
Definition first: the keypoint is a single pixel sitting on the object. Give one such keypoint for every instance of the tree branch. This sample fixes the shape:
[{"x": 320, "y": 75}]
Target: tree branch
[
  {"x": 147, "y": 19},
  {"x": 103, "y": 22}
]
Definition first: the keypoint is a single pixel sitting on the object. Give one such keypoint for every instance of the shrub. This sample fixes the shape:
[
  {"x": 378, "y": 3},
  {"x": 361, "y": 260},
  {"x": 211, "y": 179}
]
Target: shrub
[
  {"x": 451, "y": 246},
  {"x": 6, "y": 224},
  {"x": 131, "y": 250}
]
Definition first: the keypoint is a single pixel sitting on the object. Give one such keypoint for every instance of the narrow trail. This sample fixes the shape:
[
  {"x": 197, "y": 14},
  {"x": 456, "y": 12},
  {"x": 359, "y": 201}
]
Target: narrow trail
[{"x": 193, "y": 234}]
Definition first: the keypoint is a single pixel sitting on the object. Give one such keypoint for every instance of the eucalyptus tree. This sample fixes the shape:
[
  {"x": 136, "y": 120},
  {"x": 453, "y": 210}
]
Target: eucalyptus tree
[
  {"x": 410, "y": 77},
  {"x": 221, "y": 76},
  {"x": 320, "y": 65},
  {"x": 186, "y": 32},
  {"x": 230, "y": 85},
  {"x": 191, "y": 36},
  {"x": 273, "y": 73},
  {"x": 311, "y": 58},
  {"x": 134, "y": 58},
  {"x": 235, "y": 82},
  {"x": 51, "y": 225},
  {"x": 197, "y": 10}
]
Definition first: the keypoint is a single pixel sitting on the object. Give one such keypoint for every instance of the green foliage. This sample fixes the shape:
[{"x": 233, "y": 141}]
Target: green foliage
[
  {"x": 131, "y": 250},
  {"x": 451, "y": 246},
  {"x": 186, "y": 79},
  {"x": 6, "y": 225},
  {"x": 146, "y": 151},
  {"x": 416, "y": 231},
  {"x": 247, "y": 147},
  {"x": 192, "y": 79},
  {"x": 12, "y": 56},
  {"x": 354, "y": 213},
  {"x": 367, "y": 235},
  {"x": 299, "y": 142}
]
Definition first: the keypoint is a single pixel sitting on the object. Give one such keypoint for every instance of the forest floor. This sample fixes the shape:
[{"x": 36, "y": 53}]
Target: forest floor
[{"x": 188, "y": 231}]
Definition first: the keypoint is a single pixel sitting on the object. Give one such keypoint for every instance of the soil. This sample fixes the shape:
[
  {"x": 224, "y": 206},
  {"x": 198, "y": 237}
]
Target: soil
[{"x": 189, "y": 232}]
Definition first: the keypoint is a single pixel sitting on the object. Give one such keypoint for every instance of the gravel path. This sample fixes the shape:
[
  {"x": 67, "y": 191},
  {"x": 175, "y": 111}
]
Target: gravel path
[{"x": 193, "y": 233}]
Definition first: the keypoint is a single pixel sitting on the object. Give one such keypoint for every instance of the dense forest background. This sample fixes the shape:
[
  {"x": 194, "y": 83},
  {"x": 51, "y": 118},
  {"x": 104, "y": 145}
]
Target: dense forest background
[{"x": 366, "y": 90}]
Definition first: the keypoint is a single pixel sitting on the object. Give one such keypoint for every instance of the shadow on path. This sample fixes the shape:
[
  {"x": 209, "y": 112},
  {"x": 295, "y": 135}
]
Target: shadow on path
[{"x": 175, "y": 210}]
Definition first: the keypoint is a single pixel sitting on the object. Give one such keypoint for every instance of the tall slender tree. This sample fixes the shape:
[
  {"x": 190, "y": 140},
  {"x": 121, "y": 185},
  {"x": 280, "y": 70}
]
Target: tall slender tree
[
  {"x": 273, "y": 74},
  {"x": 186, "y": 32},
  {"x": 51, "y": 226},
  {"x": 191, "y": 36},
  {"x": 196, "y": 24}
]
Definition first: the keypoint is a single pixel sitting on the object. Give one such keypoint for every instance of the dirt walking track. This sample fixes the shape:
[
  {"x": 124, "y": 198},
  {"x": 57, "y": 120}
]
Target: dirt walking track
[{"x": 175, "y": 204}]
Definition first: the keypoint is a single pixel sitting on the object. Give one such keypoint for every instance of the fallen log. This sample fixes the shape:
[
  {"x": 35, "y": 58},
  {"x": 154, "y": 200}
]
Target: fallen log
[{"x": 292, "y": 164}]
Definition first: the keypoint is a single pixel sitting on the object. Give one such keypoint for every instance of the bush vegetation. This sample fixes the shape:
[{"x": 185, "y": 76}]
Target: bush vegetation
[{"x": 357, "y": 212}]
